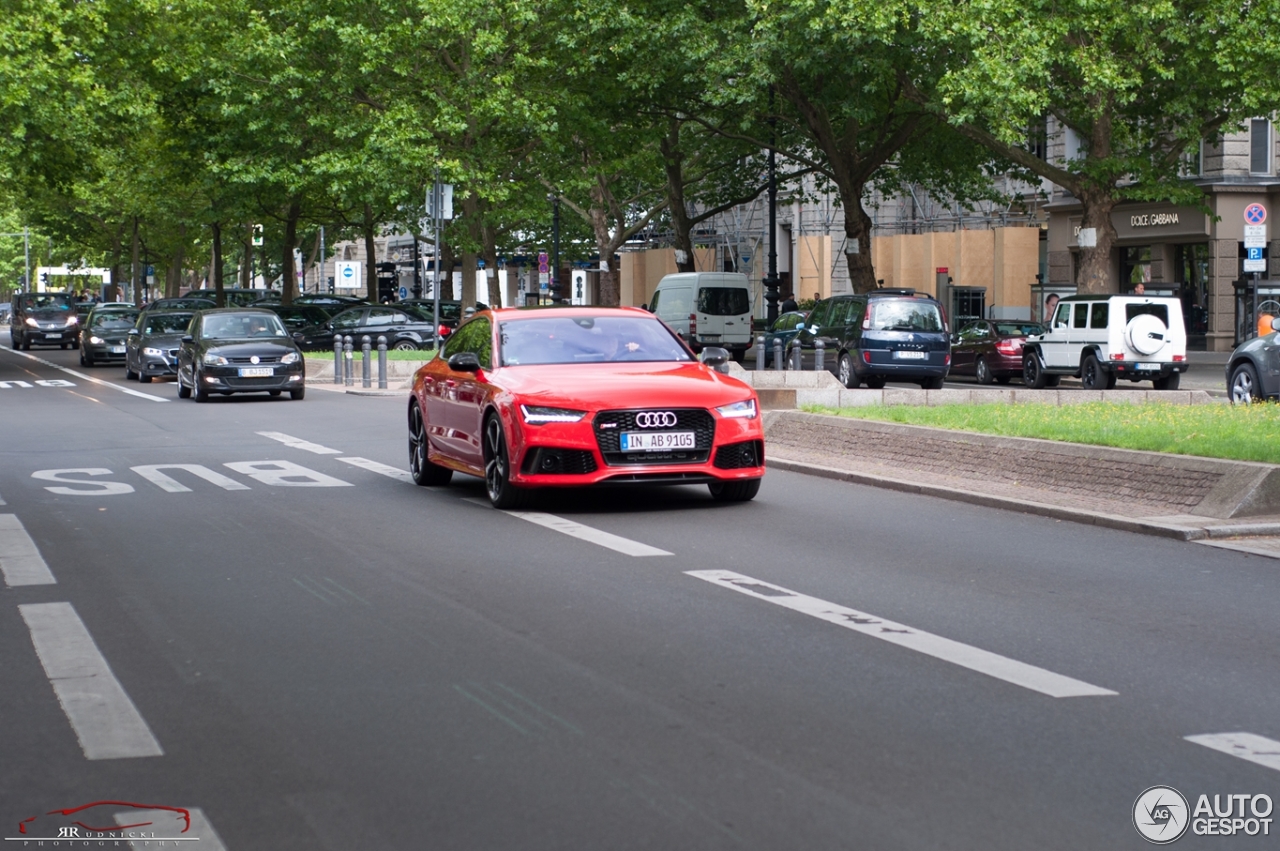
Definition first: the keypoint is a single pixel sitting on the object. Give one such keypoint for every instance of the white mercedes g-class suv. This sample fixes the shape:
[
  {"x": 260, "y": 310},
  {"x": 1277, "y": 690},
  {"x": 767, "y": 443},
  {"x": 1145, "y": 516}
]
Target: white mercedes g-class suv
[{"x": 1102, "y": 338}]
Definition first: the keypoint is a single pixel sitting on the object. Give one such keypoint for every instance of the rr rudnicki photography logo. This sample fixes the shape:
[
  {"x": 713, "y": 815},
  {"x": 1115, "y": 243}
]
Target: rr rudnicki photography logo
[
  {"x": 155, "y": 825},
  {"x": 1162, "y": 815}
]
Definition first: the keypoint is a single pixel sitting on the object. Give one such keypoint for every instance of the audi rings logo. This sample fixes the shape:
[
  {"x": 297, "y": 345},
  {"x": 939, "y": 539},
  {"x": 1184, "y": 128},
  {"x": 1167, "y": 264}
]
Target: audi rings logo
[{"x": 655, "y": 419}]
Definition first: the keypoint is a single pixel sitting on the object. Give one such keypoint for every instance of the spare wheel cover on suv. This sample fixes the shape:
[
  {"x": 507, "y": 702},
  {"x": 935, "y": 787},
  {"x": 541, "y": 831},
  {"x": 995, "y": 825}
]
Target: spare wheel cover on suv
[{"x": 1146, "y": 334}]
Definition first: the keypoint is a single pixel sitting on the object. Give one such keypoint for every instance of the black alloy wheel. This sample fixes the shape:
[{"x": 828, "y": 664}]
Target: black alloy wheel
[
  {"x": 1032, "y": 375},
  {"x": 497, "y": 468},
  {"x": 425, "y": 474},
  {"x": 847, "y": 376},
  {"x": 740, "y": 491},
  {"x": 1091, "y": 376},
  {"x": 1244, "y": 385},
  {"x": 983, "y": 371}
]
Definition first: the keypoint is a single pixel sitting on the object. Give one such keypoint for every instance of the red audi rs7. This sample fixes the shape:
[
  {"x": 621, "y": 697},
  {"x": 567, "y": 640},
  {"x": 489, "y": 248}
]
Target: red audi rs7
[{"x": 570, "y": 396}]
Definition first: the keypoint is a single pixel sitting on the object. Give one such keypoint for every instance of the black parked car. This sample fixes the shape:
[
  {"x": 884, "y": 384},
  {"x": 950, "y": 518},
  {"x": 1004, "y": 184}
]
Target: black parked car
[
  {"x": 330, "y": 301},
  {"x": 102, "y": 335},
  {"x": 236, "y": 297},
  {"x": 239, "y": 350},
  {"x": 44, "y": 319},
  {"x": 403, "y": 328},
  {"x": 883, "y": 335},
  {"x": 297, "y": 318},
  {"x": 450, "y": 312},
  {"x": 1253, "y": 372},
  {"x": 182, "y": 303},
  {"x": 151, "y": 349},
  {"x": 784, "y": 328}
]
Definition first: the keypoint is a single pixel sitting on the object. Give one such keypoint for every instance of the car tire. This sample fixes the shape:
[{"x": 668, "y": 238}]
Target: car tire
[
  {"x": 82, "y": 363},
  {"x": 424, "y": 473},
  {"x": 1032, "y": 373},
  {"x": 199, "y": 391},
  {"x": 1169, "y": 382},
  {"x": 1052, "y": 380},
  {"x": 404, "y": 346},
  {"x": 742, "y": 491},
  {"x": 1243, "y": 388},
  {"x": 144, "y": 379},
  {"x": 846, "y": 374},
  {"x": 129, "y": 374},
  {"x": 184, "y": 392},
  {"x": 876, "y": 382},
  {"x": 298, "y": 395},
  {"x": 982, "y": 370},
  {"x": 932, "y": 383},
  {"x": 1091, "y": 375},
  {"x": 497, "y": 468},
  {"x": 74, "y": 345}
]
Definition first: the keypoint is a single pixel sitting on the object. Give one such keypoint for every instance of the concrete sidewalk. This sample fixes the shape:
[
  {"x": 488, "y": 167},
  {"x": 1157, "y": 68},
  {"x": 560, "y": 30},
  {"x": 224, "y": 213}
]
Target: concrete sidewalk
[{"x": 1235, "y": 505}]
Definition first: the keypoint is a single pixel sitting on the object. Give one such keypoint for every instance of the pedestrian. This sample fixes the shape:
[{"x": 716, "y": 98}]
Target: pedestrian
[
  {"x": 1140, "y": 289},
  {"x": 788, "y": 304}
]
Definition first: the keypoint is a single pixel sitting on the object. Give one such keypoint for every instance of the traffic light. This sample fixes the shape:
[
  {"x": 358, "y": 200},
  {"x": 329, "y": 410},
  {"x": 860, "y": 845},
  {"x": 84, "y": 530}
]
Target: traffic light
[
  {"x": 257, "y": 234},
  {"x": 44, "y": 278}
]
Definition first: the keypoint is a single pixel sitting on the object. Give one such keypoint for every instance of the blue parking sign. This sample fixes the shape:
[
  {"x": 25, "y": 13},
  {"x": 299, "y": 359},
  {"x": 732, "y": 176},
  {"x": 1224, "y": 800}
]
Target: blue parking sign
[{"x": 1254, "y": 253}]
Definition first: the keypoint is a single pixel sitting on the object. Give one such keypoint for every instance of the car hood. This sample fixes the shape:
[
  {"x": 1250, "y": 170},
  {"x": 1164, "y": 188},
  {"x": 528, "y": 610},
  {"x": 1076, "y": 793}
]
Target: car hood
[
  {"x": 163, "y": 341},
  {"x": 622, "y": 385},
  {"x": 247, "y": 348},
  {"x": 51, "y": 315}
]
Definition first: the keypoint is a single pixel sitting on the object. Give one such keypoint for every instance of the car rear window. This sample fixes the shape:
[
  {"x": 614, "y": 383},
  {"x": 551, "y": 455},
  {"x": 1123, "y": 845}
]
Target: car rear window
[
  {"x": 1019, "y": 329},
  {"x": 905, "y": 314},
  {"x": 1160, "y": 311},
  {"x": 723, "y": 301}
]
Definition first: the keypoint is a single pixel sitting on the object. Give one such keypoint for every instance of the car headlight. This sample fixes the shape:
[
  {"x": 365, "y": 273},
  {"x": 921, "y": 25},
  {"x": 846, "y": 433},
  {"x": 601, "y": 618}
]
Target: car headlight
[
  {"x": 31, "y": 320},
  {"x": 291, "y": 357},
  {"x": 97, "y": 341},
  {"x": 745, "y": 409},
  {"x": 540, "y": 416},
  {"x": 72, "y": 320},
  {"x": 210, "y": 359},
  {"x": 155, "y": 353}
]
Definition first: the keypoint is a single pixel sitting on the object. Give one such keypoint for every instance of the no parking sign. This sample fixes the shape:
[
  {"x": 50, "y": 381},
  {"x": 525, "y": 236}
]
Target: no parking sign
[{"x": 1255, "y": 214}]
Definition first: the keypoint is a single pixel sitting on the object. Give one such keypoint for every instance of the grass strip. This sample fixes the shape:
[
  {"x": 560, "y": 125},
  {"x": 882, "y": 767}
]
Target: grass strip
[{"x": 1240, "y": 433}]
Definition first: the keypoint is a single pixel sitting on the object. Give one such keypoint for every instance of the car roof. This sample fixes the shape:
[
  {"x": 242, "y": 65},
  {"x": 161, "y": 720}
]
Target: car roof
[
  {"x": 259, "y": 311},
  {"x": 1129, "y": 296}
]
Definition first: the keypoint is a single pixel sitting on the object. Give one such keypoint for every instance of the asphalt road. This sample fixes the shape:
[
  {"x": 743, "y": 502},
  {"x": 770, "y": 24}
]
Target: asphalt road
[{"x": 315, "y": 654}]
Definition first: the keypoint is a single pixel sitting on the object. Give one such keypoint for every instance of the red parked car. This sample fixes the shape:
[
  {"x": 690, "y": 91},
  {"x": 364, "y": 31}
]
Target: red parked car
[
  {"x": 990, "y": 349},
  {"x": 573, "y": 396}
]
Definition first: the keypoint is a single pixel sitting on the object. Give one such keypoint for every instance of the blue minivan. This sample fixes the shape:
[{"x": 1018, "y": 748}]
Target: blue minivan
[{"x": 883, "y": 335}]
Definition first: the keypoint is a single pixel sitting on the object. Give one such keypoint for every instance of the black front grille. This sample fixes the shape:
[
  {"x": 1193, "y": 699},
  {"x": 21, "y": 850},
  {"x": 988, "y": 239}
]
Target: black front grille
[
  {"x": 270, "y": 383},
  {"x": 609, "y": 425},
  {"x": 250, "y": 360},
  {"x": 546, "y": 460},
  {"x": 735, "y": 456}
]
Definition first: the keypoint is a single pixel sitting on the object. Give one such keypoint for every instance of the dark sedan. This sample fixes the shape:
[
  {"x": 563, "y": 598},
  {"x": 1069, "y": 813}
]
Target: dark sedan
[
  {"x": 404, "y": 329},
  {"x": 991, "y": 350},
  {"x": 450, "y": 312},
  {"x": 298, "y": 318},
  {"x": 1253, "y": 372},
  {"x": 151, "y": 349},
  {"x": 239, "y": 350},
  {"x": 102, "y": 335},
  {"x": 784, "y": 328},
  {"x": 182, "y": 303}
]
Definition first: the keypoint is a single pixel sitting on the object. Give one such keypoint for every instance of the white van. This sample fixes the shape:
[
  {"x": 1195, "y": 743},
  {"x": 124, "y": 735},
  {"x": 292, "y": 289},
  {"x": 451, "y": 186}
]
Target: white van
[{"x": 707, "y": 309}]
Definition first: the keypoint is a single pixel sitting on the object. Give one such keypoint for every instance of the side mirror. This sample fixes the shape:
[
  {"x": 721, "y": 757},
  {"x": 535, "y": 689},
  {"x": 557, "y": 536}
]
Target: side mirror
[
  {"x": 464, "y": 362},
  {"x": 188, "y": 339},
  {"x": 714, "y": 356},
  {"x": 645, "y": 307},
  {"x": 133, "y": 332}
]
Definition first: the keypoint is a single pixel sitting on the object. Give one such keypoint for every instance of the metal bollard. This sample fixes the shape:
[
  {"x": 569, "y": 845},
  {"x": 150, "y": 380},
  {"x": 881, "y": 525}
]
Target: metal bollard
[
  {"x": 819, "y": 355},
  {"x": 349, "y": 379},
  {"x": 337, "y": 358},
  {"x": 777, "y": 354},
  {"x": 759, "y": 353},
  {"x": 795, "y": 361},
  {"x": 382, "y": 363},
  {"x": 365, "y": 352}
]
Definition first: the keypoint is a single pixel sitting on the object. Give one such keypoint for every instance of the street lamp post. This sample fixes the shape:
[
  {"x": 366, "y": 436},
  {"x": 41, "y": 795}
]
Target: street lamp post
[
  {"x": 555, "y": 249},
  {"x": 771, "y": 280}
]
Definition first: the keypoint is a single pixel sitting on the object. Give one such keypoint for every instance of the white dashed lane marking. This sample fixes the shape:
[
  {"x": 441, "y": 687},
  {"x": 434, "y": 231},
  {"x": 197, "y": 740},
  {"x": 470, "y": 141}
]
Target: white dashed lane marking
[
  {"x": 104, "y": 718},
  {"x": 1246, "y": 746},
  {"x": 379, "y": 468},
  {"x": 168, "y": 825},
  {"x": 298, "y": 443},
  {"x": 130, "y": 391},
  {"x": 973, "y": 658},
  {"x": 20, "y": 559},
  {"x": 591, "y": 535}
]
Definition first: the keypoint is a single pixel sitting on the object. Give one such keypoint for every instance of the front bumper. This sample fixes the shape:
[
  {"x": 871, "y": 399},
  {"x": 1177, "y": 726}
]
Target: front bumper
[
  {"x": 157, "y": 366},
  {"x": 570, "y": 455},
  {"x": 50, "y": 336},
  {"x": 227, "y": 379},
  {"x": 108, "y": 351}
]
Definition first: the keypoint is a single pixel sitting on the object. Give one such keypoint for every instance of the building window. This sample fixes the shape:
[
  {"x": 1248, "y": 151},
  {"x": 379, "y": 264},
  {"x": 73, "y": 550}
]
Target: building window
[
  {"x": 1259, "y": 146},
  {"x": 1135, "y": 266}
]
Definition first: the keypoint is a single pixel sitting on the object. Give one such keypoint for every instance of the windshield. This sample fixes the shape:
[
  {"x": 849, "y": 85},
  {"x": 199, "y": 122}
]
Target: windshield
[
  {"x": 1018, "y": 329},
  {"x": 723, "y": 301},
  {"x": 450, "y": 311},
  {"x": 114, "y": 320},
  {"x": 241, "y": 326},
  {"x": 905, "y": 315},
  {"x": 588, "y": 339},
  {"x": 168, "y": 323},
  {"x": 46, "y": 301}
]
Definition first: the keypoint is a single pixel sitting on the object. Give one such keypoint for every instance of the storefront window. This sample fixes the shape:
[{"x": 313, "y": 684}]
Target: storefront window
[
  {"x": 1191, "y": 270},
  {"x": 1135, "y": 266}
]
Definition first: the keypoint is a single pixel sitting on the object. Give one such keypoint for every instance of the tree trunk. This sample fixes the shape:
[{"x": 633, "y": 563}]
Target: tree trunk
[
  {"x": 857, "y": 231},
  {"x": 219, "y": 296},
  {"x": 473, "y": 220},
  {"x": 1095, "y": 263},
  {"x": 371, "y": 255},
  {"x": 173, "y": 280},
  {"x": 134, "y": 281},
  {"x": 117, "y": 252},
  {"x": 494, "y": 296},
  {"x": 288, "y": 270},
  {"x": 682, "y": 227}
]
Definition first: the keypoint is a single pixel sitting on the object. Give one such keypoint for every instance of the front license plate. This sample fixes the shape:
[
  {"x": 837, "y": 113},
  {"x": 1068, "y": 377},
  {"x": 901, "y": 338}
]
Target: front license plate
[
  {"x": 909, "y": 355},
  {"x": 117, "y": 350},
  {"x": 53, "y": 336},
  {"x": 1151, "y": 366},
  {"x": 257, "y": 372},
  {"x": 658, "y": 441}
]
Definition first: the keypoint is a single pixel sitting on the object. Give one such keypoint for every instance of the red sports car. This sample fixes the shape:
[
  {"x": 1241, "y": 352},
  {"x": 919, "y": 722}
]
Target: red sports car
[{"x": 571, "y": 396}]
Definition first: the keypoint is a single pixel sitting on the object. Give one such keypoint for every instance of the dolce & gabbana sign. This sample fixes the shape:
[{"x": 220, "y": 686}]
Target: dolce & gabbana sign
[{"x": 1153, "y": 223}]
